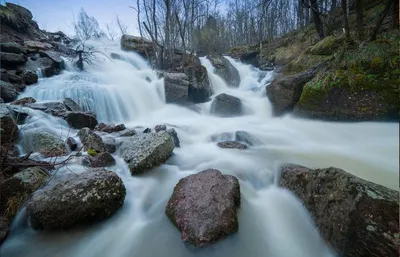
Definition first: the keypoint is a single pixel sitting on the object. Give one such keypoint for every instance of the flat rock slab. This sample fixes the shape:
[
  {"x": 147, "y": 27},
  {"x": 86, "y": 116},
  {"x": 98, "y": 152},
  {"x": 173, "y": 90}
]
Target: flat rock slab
[
  {"x": 146, "y": 151},
  {"x": 203, "y": 207},
  {"x": 356, "y": 217}
]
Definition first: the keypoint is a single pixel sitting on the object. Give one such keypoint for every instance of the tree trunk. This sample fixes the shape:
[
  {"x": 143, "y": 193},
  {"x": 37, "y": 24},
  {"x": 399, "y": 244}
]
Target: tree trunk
[
  {"x": 345, "y": 20},
  {"x": 395, "y": 14},
  {"x": 333, "y": 5},
  {"x": 359, "y": 14},
  {"x": 317, "y": 19},
  {"x": 381, "y": 18}
]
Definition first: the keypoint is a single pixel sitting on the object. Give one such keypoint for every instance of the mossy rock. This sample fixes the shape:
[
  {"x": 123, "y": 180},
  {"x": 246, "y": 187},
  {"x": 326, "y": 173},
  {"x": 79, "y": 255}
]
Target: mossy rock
[{"x": 327, "y": 46}]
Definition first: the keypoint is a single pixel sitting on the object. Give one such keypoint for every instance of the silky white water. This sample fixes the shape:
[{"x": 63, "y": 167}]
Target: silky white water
[{"x": 272, "y": 221}]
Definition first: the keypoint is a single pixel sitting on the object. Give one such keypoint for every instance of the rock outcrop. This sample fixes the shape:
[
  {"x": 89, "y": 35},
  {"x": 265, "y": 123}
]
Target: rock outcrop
[
  {"x": 356, "y": 217},
  {"x": 90, "y": 197},
  {"x": 225, "y": 105},
  {"x": 146, "y": 151},
  {"x": 285, "y": 91},
  {"x": 225, "y": 70},
  {"x": 203, "y": 207}
]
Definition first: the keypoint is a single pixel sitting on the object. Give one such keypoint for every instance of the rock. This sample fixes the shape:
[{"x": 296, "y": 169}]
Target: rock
[
  {"x": 13, "y": 77},
  {"x": 147, "y": 130},
  {"x": 225, "y": 70},
  {"x": 176, "y": 87},
  {"x": 159, "y": 128},
  {"x": 285, "y": 91},
  {"x": 174, "y": 136},
  {"x": 9, "y": 129},
  {"x": 247, "y": 138},
  {"x": 7, "y": 91},
  {"x": 127, "y": 133},
  {"x": 36, "y": 45},
  {"x": 16, "y": 189},
  {"x": 199, "y": 88},
  {"x": 232, "y": 145},
  {"x": 98, "y": 161},
  {"x": 110, "y": 144},
  {"x": 29, "y": 77},
  {"x": 12, "y": 60},
  {"x": 24, "y": 100},
  {"x": 44, "y": 64},
  {"x": 3, "y": 229},
  {"x": 223, "y": 137},
  {"x": 90, "y": 197},
  {"x": 137, "y": 44},
  {"x": 358, "y": 218},
  {"x": 110, "y": 128},
  {"x": 147, "y": 151},
  {"x": 11, "y": 47},
  {"x": 47, "y": 144},
  {"x": 225, "y": 105},
  {"x": 91, "y": 140},
  {"x": 203, "y": 207},
  {"x": 57, "y": 109},
  {"x": 71, "y": 105},
  {"x": 58, "y": 62},
  {"x": 79, "y": 120},
  {"x": 71, "y": 142},
  {"x": 19, "y": 114}
]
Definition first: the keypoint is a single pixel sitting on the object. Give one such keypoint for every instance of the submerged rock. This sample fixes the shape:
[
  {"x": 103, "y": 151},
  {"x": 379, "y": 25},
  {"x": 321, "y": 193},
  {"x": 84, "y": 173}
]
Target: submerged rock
[
  {"x": 247, "y": 138},
  {"x": 203, "y": 207},
  {"x": 159, "y": 128},
  {"x": 225, "y": 70},
  {"x": 79, "y": 120},
  {"x": 225, "y": 105},
  {"x": 91, "y": 140},
  {"x": 232, "y": 145},
  {"x": 46, "y": 143},
  {"x": 89, "y": 197},
  {"x": 147, "y": 151},
  {"x": 127, "y": 133},
  {"x": 285, "y": 91},
  {"x": 71, "y": 105},
  {"x": 358, "y": 218},
  {"x": 110, "y": 128}
]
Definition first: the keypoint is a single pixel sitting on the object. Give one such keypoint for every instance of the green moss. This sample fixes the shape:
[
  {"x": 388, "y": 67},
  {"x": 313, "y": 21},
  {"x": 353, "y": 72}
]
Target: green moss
[
  {"x": 327, "y": 46},
  {"x": 91, "y": 152}
]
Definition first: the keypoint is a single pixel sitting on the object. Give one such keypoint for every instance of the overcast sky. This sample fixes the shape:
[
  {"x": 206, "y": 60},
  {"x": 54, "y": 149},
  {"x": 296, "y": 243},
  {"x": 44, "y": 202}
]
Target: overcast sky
[{"x": 55, "y": 15}]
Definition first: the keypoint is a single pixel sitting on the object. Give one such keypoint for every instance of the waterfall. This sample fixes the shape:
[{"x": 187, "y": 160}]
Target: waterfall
[{"x": 273, "y": 222}]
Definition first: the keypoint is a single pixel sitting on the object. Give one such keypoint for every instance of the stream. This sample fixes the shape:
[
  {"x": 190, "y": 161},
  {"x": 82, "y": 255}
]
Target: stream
[{"x": 272, "y": 221}]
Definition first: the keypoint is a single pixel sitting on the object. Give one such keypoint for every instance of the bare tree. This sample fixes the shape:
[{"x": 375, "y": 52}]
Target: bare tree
[
  {"x": 360, "y": 25},
  {"x": 123, "y": 29},
  {"x": 86, "y": 27},
  {"x": 345, "y": 20},
  {"x": 111, "y": 33}
]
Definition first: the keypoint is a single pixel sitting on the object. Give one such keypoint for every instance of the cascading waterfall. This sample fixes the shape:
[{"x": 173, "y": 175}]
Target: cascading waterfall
[{"x": 272, "y": 220}]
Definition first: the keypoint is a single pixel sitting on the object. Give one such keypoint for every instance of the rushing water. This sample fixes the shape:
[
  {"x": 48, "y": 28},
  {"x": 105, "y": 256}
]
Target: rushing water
[{"x": 272, "y": 220}]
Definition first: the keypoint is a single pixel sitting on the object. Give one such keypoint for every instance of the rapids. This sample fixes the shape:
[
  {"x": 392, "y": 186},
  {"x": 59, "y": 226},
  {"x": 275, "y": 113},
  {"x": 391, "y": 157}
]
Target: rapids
[{"x": 272, "y": 221}]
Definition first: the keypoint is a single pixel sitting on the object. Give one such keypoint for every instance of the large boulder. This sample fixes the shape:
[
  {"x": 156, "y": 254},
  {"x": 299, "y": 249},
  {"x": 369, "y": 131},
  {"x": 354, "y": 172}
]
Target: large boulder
[
  {"x": 110, "y": 144},
  {"x": 57, "y": 109},
  {"x": 285, "y": 91},
  {"x": 16, "y": 189},
  {"x": 7, "y": 91},
  {"x": 146, "y": 151},
  {"x": 11, "y": 47},
  {"x": 9, "y": 129},
  {"x": 46, "y": 143},
  {"x": 225, "y": 105},
  {"x": 58, "y": 62},
  {"x": 44, "y": 64},
  {"x": 91, "y": 140},
  {"x": 99, "y": 160},
  {"x": 199, "y": 88},
  {"x": 356, "y": 217},
  {"x": 29, "y": 77},
  {"x": 137, "y": 44},
  {"x": 203, "y": 207},
  {"x": 79, "y": 120},
  {"x": 176, "y": 87},
  {"x": 225, "y": 69},
  {"x": 11, "y": 60},
  {"x": 90, "y": 197}
]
